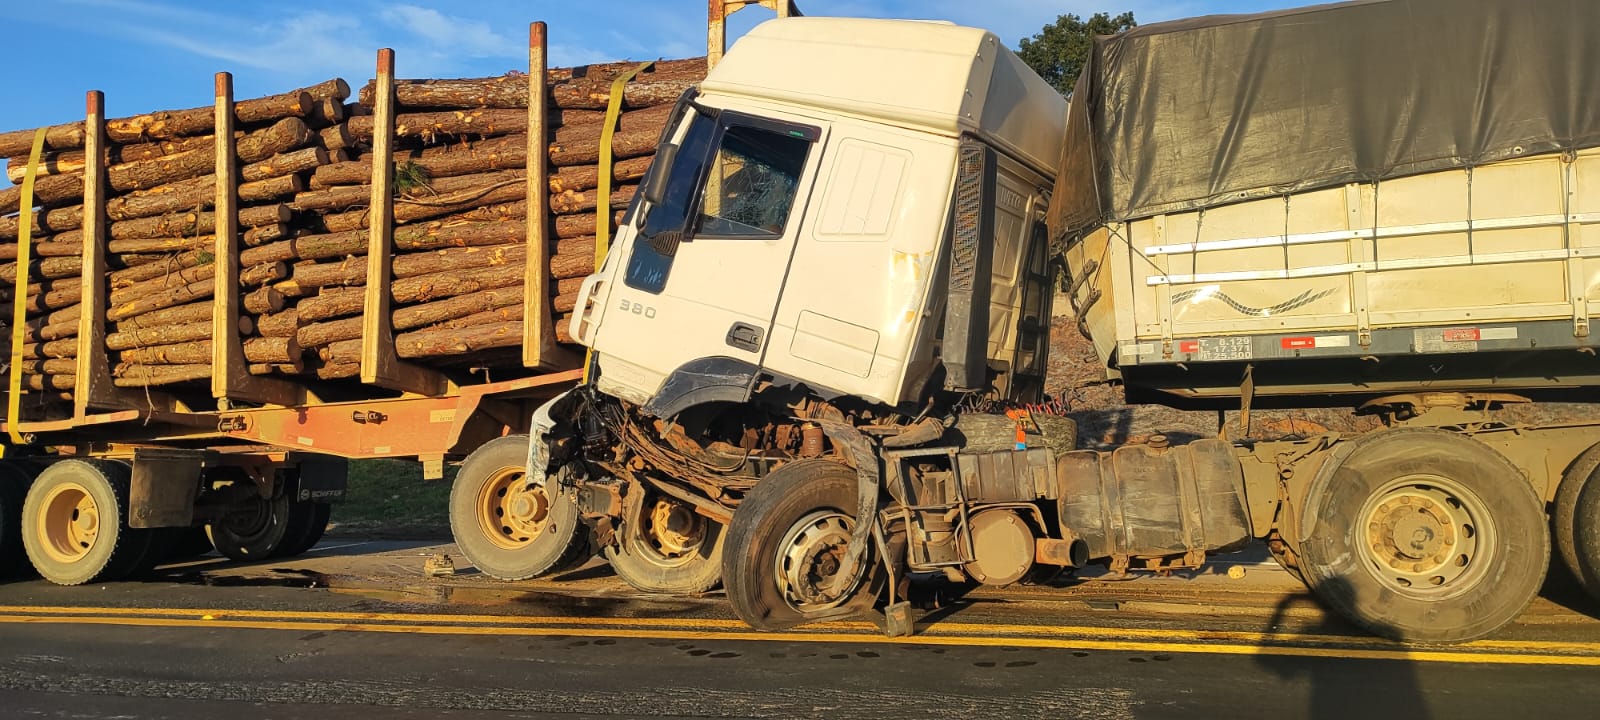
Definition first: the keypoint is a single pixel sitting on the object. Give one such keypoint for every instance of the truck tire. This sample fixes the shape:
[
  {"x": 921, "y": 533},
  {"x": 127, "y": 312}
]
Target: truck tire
[
  {"x": 75, "y": 523},
  {"x": 509, "y": 531},
  {"x": 1586, "y": 537},
  {"x": 668, "y": 549},
  {"x": 307, "y": 522},
  {"x": 253, "y": 531},
  {"x": 1423, "y": 535},
  {"x": 14, "y": 481},
  {"x": 785, "y": 540},
  {"x": 1562, "y": 532}
]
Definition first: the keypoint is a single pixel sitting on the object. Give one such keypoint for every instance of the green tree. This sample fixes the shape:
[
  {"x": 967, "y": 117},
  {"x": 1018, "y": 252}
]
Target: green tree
[{"x": 1060, "y": 50}]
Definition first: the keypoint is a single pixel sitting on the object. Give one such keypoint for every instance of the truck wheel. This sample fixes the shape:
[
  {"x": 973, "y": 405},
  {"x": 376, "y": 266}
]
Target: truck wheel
[
  {"x": 511, "y": 531},
  {"x": 1562, "y": 531},
  {"x": 1422, "y": 535},
  {"x": 14, "y": 481},
  {"x": 253, "y": 530},
  {"x": 75, "y": 523},
  {"x": 1585, "y": 520},
  {"x": 785, "y": 545},
  {"x": 668, "y": 549},
  {"x": 307, "y": 522}
]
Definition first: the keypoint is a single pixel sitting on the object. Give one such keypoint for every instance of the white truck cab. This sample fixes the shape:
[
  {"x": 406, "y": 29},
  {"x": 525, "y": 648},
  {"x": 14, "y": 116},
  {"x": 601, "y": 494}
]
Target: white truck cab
[{"x": 794, "y": 228}]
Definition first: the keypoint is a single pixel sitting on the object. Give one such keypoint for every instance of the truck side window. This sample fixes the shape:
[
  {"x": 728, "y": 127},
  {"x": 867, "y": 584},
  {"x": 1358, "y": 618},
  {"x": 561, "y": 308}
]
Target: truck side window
[
  {"x": 647, "y": 269},
  {"x": 751, "y": 187}
]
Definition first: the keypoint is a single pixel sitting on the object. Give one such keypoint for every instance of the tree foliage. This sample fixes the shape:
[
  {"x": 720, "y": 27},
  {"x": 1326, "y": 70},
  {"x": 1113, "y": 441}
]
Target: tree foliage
[{"x": 1060, "y": 50}]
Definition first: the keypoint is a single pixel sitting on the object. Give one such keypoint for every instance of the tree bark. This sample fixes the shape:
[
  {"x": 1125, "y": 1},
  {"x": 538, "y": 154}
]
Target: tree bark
[
  {"x": 178, "y": 278},
  {"x": 168, "y": 265},
  {"x": 280, "y": 324},
  {"x": 430, "y": 313},
  {"x": 457, "y": 259},
  {"x": 494, "y": 315},
  {"x": 258, "y": 275},
  {"x": 178, "y": 315},
  {"x": 56, "y": 137},
  {"x": 511, "y": 91},
  {"x": 166, "y": 335},
  {"x": 263, "y": 300},
  {"x": 573, "y": 258},
  {"x": 160, "y": 301},
  {"x": 423, "y": 288},
  {"x": 349, "y": 271},
  {"x": 129, "y": 375},
  {"x": 256, "y": 349},
  {"x": 200, "y": 120},
  {"x": 331, "y": 303}
]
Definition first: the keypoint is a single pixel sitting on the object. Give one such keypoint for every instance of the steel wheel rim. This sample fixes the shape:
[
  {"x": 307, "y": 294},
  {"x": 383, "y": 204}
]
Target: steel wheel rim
[
  {"x": 251, "y": 520},
  {"x": 809, "y": 557},
  {"x": 672, "y": 532},
  {"x": 69, "y": 523},
  {"x": 510, "y": 512},
  {"x": 1426, "y": 536}
]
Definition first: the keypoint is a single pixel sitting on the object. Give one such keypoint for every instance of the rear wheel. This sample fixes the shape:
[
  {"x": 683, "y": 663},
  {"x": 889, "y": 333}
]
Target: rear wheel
[
  {"x": 668, "y": 548},
  {"x": 253, "y": 529},
  {"x": 1562, "y": 529},
  {"x": 75, "y": 523},
  {"x": 786, "y": 547},
  {"x": 509, "y": 529},
  {"x": 1423, "y": 535},
  {"x": 307, "y": 522},
  {"x": 14, "y": 481}
]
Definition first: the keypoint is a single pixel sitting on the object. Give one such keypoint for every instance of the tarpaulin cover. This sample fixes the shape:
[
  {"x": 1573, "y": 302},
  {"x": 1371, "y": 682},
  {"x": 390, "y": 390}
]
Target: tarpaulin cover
[{"x": 1207, "y": 111}]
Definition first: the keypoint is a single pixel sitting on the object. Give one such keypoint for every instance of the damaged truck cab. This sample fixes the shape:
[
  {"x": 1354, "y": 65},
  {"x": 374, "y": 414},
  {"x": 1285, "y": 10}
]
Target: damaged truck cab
[{"x": 818, "y": 347}]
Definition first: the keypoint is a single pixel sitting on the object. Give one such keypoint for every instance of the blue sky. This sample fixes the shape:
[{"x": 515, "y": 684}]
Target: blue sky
[{"x": 161, "y": 54}]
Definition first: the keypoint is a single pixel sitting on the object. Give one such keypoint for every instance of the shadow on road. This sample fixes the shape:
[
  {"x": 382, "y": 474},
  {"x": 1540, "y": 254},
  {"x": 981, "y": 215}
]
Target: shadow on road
[{"x": 1343, "y": 688}]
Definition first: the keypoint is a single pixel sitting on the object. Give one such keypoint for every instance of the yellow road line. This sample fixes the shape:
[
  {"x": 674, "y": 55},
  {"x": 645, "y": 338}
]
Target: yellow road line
[
  {"x": 939, "y": 629},
  {"x": 1060, "y": 643}
]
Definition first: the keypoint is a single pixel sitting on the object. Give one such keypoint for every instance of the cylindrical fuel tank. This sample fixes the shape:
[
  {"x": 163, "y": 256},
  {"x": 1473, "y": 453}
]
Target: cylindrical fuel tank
[{"x": 1140, "y": 501}]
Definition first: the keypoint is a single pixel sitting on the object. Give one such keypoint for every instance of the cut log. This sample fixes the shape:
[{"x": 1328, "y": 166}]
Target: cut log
[
  {"x": 349, "y": 271},
  {"x": 493, "y": 315},
  {"x": 166, "y": 335},
  {"x": 573, "y": 258},
  {"x": 336, "y": 371},
  {"x": 351, "y": 196},
  {"x": 258, "y": 275},
  {"x": 430, "y": 313},
  {"x": 171, "y": 280},
  {"x": 167, "y": 265},
  {"x": 280, "y": 324},
  {"x": 51, "y": 366},
  {"x": 563, "y": 324},
  {"x": 511, "y": 91},
  {"x": 56, "y": 137},
  {"x": 38, "y": 331},
  {"x": 49, "y": 382},
  {"x": 334, "y": 89},
  {"x": 128, "y": 375},
  {"x": 256, "y": 349},
  {"x": 319, "y": 334},
  {"x": 199, "y": 121},
  {"x": 586, "y": 177},
  {"x": 330, "y": 303},
  {"x": 263, "y": 300},
  {"x": 179, "y": 315},
  {"x": 197, "y": 223},
  {"x": 159, "y": 301},
  {"x": 448, "y": 284},
  {"x": 50, "y": 267},
  {"x": 456, "y": 259}
]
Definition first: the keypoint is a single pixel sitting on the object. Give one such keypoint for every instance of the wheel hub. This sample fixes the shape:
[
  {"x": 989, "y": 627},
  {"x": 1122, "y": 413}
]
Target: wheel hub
[
  {"x": 511, "y": 512},
  {"x": 673, "y": 529},
  {"x": 1422, "y": 534},
  {"x": 69, "y": 523},
  {"x": 809, "y": 559}
]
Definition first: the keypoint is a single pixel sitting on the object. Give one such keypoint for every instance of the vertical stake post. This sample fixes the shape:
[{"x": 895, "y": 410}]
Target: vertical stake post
[
  {"x": 539, "y": 348},
  {"x": 94, "y": 388}
]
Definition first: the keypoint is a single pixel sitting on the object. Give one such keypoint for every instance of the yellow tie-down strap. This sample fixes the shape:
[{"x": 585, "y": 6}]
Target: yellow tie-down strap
[
  {"x": 19, "y": 295},
  {"x": 602, "y": 207}
]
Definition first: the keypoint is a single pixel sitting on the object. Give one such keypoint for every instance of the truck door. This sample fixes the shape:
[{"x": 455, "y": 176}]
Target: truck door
[{"x": 700, "y": 284}]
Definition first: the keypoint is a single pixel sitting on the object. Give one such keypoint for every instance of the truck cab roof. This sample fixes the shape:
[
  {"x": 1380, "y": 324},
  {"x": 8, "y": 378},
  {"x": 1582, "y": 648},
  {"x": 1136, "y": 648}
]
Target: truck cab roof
[{"x": 929, "y": 76}]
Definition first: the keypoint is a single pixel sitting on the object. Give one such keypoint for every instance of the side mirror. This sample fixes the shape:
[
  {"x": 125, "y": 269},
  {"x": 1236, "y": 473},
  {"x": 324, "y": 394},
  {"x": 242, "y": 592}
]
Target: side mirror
[{"x": 655, "y": 186}]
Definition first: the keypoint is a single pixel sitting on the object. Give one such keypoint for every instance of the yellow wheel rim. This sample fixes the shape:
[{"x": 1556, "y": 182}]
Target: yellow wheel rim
[
  {"x": 510, "y": 513},
  {"x": 69, "y": 523}
]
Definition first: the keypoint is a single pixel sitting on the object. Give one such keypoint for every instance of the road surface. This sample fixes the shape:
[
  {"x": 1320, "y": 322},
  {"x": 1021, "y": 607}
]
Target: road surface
[{"x": 355, "y": 630}]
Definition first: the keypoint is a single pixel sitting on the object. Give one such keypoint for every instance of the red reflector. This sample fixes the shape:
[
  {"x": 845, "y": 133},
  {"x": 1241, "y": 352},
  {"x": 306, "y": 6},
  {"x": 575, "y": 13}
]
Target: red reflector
[
  {"x": 1461, "y": 335},
  {"x": 1189, "y": 346},
  {"x": 1298, "y": 343}
]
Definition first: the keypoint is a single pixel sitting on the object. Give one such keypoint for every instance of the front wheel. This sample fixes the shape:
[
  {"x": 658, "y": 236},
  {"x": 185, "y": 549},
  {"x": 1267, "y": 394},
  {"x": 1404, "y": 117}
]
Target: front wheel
[
  {"x": 786, "y": 546},
  {"x": 509, "y": 529},
  {"x": 1426, "y": 536}
]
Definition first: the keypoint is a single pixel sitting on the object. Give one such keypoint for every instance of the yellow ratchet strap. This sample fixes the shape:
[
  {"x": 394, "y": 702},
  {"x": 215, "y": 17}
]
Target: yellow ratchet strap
[
  {"x": 19, "y": 295},
  {"x": 602, "y": 209}
]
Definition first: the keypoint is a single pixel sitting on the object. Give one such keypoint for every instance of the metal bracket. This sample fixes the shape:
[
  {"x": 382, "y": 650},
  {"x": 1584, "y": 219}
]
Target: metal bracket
[{"x": 717, "y": 17}]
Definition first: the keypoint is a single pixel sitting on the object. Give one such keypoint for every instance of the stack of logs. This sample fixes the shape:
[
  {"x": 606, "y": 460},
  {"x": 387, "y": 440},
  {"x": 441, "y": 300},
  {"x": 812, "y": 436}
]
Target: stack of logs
[{"x": 459, "y": 252}]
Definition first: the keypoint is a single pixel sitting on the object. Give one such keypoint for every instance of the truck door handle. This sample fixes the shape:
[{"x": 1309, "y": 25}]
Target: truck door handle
[{"x": 745, "y": 336}]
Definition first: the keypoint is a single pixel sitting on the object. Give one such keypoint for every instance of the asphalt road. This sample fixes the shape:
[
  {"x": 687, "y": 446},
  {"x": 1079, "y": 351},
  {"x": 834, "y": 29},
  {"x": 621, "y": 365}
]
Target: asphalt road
[{"x": 354, "y": 630}]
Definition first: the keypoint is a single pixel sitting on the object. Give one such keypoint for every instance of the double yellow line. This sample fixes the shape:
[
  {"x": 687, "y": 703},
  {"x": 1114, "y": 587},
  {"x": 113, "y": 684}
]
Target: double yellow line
[{"x": 1137, "y": 640}]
